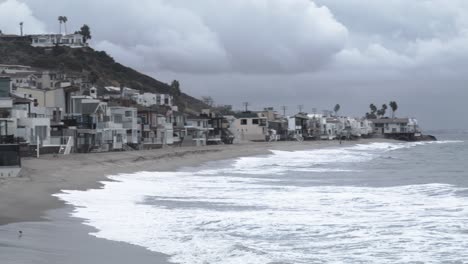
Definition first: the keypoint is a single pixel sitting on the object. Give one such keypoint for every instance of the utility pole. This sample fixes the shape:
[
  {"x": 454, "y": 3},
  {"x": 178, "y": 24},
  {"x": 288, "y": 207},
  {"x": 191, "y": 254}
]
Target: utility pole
[
  {"x": 284, "y": 108},
  {"x": 246, "y": 106},
  {"x": 21, "y": 28}
]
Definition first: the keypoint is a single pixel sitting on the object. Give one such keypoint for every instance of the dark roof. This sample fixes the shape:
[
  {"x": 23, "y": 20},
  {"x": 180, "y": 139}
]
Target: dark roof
[
  {"x": 194, "y": 117},
  {"x": 246, "y": 115}
]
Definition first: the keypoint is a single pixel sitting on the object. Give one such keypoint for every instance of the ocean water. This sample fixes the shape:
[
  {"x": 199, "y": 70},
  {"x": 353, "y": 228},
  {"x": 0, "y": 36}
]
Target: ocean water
[{"x": 369, "y": 203}]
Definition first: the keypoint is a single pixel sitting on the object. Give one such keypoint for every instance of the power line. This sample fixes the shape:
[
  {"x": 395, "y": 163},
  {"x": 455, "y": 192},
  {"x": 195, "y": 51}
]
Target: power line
[{"x": 284, "y": 108}]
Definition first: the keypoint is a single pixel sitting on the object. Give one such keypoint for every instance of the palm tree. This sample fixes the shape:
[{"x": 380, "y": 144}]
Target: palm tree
[
  {"x": 60, "y": 19},
  {"x": 383, "y": 110},
  {"x": 373, "y": 108},
  {"x": 65, "y": 19},
  {"x": 21, "y": 28},
  {"x": 337, "y": 109},
  {"x": 394, "y": 107}
]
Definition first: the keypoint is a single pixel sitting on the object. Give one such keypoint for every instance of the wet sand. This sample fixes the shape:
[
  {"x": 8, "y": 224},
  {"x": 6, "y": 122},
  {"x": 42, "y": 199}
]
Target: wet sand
[
  {"x": 51, "y": 236},
  {"x": 64, "y": 239}
]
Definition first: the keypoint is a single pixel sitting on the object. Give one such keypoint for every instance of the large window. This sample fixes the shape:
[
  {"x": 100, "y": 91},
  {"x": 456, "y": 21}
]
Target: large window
[
  {"x": 255, "y": 121},
  {"x": 243, "y": 122}
]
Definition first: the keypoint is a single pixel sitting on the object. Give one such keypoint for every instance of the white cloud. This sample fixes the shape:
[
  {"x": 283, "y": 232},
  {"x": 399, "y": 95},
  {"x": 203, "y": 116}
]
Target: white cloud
[
  {"x": 12, "y": 12},
  {"x": 247, "y": 36}
]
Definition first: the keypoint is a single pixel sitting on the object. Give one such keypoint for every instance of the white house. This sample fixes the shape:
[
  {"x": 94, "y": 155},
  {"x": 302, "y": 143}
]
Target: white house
[
  {"x": 197, "y": 130},
  {"x": 128, "y": 118},
  {"x": 50, "y": 40},
  {"x": 388, "y": 126},
  {"x": 248, "y": 126},
  {"x": 32, "y": 124},
  {"x": 150, "y": 99},
  {"x": 366, "y": 127},
  {"x": 331, "y": 128}
]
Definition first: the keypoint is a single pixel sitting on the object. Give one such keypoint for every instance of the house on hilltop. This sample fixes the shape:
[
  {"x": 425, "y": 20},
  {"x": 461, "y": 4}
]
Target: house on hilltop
[{"x": 51, "y": 40}]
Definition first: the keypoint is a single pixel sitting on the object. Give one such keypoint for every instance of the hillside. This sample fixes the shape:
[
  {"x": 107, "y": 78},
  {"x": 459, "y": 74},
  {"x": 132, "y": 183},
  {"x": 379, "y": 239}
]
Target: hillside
[{"x": 103, "y": 66}]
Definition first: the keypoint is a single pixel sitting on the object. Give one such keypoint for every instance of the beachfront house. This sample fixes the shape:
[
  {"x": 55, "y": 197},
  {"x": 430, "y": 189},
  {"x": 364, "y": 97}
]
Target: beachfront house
[
  {"x": 277, "y": 124},
  {"x": 404, "y": 128},
  {"x": 331, "y": 128},
  {"x": 156, "y": 128},
  {"x": 366, "y": 127},
  {"x": 218, "y": 128},
  {"x": 127, "y": 118},
  {"x": 93, "y": 128},
  {"x": 297, "y": 126},
  {"x": 248, "y": 126},
  {"x": 179, "y": 121},
  {"x": 197, "y": 131}
]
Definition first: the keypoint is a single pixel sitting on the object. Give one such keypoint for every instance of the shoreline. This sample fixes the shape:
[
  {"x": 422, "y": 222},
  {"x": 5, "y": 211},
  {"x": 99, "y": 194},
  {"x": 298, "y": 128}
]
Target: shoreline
[
  {"x": 27, "y": 197},
  {"x": 28, "y": 202}
]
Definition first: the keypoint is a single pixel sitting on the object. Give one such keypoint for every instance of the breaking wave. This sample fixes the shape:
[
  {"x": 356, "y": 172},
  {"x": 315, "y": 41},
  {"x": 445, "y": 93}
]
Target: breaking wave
[{"x": 248, "y": 213}]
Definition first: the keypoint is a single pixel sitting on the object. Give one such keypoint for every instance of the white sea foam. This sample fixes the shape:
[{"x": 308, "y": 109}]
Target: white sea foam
[{"x": 220, "y": 217}]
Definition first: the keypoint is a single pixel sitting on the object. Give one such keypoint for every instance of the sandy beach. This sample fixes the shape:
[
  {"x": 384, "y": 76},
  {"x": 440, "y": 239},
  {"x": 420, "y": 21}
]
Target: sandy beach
[{"x": 27, "y": 202}]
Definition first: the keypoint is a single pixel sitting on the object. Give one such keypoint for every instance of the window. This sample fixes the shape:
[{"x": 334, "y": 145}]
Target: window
[
  {"x": 255, "y": 121},
  {"x": 118, "y": 118},
  {"x": 198, "y": 123},
  {"x": 128, "y": 113},
  {"x": 243, "y": 122}
]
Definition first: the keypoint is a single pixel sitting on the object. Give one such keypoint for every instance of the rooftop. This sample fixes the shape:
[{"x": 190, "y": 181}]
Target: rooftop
[{"x": 246, "y": 115}]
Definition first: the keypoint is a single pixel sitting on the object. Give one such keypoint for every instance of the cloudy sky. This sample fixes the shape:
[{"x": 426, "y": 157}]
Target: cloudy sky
[{"x": 283, "y": 52}]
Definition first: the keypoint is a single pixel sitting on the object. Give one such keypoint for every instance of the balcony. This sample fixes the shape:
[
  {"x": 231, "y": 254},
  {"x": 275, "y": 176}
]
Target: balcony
[{"x": 108, "y": 125}]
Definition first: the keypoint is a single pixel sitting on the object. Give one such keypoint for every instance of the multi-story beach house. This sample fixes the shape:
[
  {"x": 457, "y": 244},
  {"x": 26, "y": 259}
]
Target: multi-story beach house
[
  {"x": 197, "y": 130},
  {"x": 156, "y": 127},
  {"x": 404, "y": 128},
  {"x": 127, "y": 118},
  {"x": 90, "y": 120},
  {"x": 218, "y": 128},
  {"x": 248, "y": 126},
  {"x": 298, "y": 126}
]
